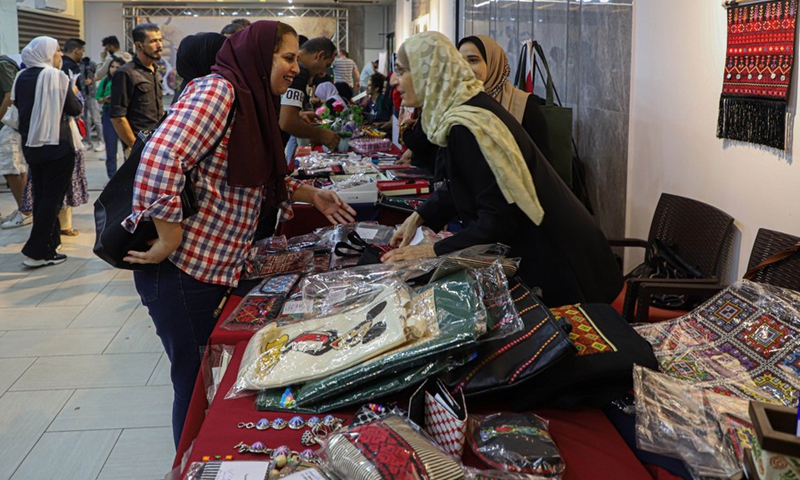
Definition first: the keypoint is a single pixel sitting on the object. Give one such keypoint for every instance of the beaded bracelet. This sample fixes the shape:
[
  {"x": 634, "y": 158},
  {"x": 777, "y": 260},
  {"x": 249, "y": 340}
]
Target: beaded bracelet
[
  {"x": 295, "y": 423},
  {"x": 306, "y": 455}
]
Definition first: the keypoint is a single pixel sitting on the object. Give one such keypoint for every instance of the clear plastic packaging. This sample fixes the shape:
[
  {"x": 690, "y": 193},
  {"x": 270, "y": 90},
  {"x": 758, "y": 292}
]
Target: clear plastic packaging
[
  {"x": 515, "y": 442},
  {"x": 682, "y": 420},
  {"x": 217, "y": 361},
  {"x": 274, "y": 244},
  {"x": 455, "y": 316},
  {"x": 367, "y": 145},
  {"x": 228, "y": 469},
  {"x": 478, "y": 256},
  {"x": 744, "y": 342},
  {"x": 379, "y": 388},
  {"x": 477, "y": 474},
  {"x": 351, "y": 162},
  {"x": 318, "y": 347},
  {"x": 260, "y": 264},
  {"x": 262, "y": 304},
  {"x": 306, "y": 471},
  {"x": 388, "y": 449}
]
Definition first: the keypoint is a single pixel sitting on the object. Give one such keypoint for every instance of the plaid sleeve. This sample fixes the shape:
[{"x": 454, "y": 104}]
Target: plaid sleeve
[
  {"x": 188, "y": 132},
  {"x": 285, "y": 209}
]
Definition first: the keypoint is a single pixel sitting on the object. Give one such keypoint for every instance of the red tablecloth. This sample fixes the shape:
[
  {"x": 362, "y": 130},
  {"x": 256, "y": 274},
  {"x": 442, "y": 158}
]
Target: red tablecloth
[{"x": 590, "y": 446}]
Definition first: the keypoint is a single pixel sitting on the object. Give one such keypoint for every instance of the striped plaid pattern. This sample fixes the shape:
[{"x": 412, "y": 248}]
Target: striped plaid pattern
[{"x": 217, "y": 240}]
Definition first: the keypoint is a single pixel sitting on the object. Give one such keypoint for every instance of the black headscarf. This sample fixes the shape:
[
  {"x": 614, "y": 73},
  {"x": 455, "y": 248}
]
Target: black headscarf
[{"x": 196, "y": 55}]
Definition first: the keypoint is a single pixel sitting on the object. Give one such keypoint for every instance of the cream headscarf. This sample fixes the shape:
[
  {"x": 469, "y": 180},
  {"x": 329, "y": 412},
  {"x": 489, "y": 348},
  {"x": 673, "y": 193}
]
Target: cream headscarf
[
  {"x": 51, "y": 91},
  {"x": 443, "y": 82},
  {"x": 498, "y": 70}
]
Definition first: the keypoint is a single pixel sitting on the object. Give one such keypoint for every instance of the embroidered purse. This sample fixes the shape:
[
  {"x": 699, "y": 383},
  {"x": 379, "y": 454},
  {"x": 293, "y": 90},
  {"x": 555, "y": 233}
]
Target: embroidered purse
[{"x": 503, "y": 363}]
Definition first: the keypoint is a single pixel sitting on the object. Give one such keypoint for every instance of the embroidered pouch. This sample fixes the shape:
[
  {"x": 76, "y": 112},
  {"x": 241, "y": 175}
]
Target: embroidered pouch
[{"x": 389, "y": 449}]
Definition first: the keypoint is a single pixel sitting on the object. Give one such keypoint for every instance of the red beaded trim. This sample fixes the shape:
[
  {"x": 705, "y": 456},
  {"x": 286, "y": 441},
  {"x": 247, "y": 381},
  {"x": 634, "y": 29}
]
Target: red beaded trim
[
  {"x": 533, "y": 359},
  {"x": 501, "y": 351}
]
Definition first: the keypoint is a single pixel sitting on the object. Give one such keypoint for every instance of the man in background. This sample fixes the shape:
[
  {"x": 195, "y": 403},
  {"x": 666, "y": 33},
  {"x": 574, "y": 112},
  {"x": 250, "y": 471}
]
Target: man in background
[
  {"x": 235, "y": 26},
  {"x": 136, "y": 98},
  {"x": 110, "y": 51},
  {"x": 316, "y": 55},
  {"x": 345, "y": 70}
]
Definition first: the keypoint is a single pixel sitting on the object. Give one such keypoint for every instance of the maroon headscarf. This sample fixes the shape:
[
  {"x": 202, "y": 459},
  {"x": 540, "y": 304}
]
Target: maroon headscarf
[{"x": 255, "y": 148}]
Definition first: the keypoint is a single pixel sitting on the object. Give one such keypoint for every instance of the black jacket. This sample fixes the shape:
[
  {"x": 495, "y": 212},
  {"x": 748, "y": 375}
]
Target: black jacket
[
  {"x": 24, "y": 94},
  {"x": 567, "y": 256}
]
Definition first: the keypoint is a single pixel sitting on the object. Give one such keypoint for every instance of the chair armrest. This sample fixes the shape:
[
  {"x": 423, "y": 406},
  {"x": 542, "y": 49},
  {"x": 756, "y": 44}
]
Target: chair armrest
[
  {"x": 634, "y": 297},
  {"x": 627, "y": 242},
  {"x": 701, "y": 287}
]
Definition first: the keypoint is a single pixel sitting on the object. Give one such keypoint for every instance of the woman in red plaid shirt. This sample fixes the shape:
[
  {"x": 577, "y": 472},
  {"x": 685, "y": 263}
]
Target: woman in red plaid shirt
[{"x": 194, "y": 261}]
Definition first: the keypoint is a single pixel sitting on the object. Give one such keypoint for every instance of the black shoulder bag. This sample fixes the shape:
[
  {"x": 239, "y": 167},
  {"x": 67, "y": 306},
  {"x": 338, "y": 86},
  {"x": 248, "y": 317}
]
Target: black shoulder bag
[{"x": 115, "y": 204}]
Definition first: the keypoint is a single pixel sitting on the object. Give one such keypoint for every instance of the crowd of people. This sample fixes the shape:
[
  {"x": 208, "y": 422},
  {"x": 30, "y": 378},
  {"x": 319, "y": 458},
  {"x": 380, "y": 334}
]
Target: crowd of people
[{"x": 487, "y": 139}]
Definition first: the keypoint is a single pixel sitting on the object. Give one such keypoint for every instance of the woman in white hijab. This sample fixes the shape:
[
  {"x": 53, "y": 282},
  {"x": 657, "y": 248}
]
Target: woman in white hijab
[{"x": 47, "y": 102}]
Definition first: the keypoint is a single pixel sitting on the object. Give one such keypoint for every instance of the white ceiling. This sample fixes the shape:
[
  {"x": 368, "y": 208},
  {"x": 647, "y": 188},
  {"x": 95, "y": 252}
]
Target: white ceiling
[{"x": 296, "y": 3}]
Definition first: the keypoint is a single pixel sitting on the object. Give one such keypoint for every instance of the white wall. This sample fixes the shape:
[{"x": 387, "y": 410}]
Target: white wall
[
  {"x": 403, "y": 26},
  {"x": 9, "y": 32},
  {"x": 677, "y": 68},
  {"x": 101, "y": 20}
]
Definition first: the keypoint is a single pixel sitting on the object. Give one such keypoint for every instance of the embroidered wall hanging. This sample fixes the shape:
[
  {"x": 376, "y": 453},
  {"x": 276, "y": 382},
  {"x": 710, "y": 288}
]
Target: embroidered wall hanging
[{"x": 758, "y": 70}]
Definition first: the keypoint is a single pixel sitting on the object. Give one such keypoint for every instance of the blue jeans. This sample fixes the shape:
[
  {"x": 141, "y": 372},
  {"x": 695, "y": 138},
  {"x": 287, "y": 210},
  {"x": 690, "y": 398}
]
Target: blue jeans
[
  {"x": 182, "y": 310},
  {"x": 111, "y": 140}
]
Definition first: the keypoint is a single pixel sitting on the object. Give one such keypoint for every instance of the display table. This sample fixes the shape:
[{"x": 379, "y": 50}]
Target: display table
[
  {"x": 589, "y": 443},
  {"x": 590, "y": 446}
]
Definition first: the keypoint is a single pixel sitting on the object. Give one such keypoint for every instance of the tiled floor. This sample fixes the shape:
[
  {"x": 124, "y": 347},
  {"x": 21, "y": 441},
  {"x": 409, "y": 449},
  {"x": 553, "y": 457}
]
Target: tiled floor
[{"x": 84, "y": 384}]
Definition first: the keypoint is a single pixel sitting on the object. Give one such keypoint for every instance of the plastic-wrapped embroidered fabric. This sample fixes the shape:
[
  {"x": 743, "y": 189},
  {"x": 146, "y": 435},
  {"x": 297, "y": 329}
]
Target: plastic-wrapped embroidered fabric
[
  {"x": 681, "y": 420},
  {"x": 456, "y": 317},
  {"x": 515, "y": 442},
  {"x": 262, "y": 304},
  {"x": 329, "y": 292},
  {"x": 744, "y": 342},
  {"x": 314, "y": 348},
  {"x": 388, "y": 449},
  {"x": 283, "y": 399},
  {"x": 263, "y": 264}
]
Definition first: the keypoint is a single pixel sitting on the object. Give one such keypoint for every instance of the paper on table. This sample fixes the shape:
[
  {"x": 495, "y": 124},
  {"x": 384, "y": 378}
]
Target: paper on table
[
  {"x": 309, "y": 474},
  {"x": 418, "y": 237},
  {"x": 294, "y": 307},
  {"x": 242, "y": 470},
  {"x": 366, "y": 233}
]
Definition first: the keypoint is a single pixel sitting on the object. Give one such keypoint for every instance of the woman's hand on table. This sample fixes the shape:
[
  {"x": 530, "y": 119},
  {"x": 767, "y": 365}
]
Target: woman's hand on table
[
  {"x": 411, "y": 252},
  {"x": 406, "y": 232},
  {"x": 405, "y": 159},
  {"x": 336, "y": 210}
]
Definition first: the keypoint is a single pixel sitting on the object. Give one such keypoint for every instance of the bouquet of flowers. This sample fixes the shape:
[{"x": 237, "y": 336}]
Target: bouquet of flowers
[{"x": 341, "y": 118}]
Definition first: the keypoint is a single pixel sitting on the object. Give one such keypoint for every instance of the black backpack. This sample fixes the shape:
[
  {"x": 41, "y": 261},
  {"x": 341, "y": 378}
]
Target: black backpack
[{"x": 115, "y": 204}]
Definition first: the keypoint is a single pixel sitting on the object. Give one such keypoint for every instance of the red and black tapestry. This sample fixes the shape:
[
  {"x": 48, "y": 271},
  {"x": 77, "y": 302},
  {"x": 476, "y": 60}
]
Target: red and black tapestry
[{"x": 758, "y": 72}]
